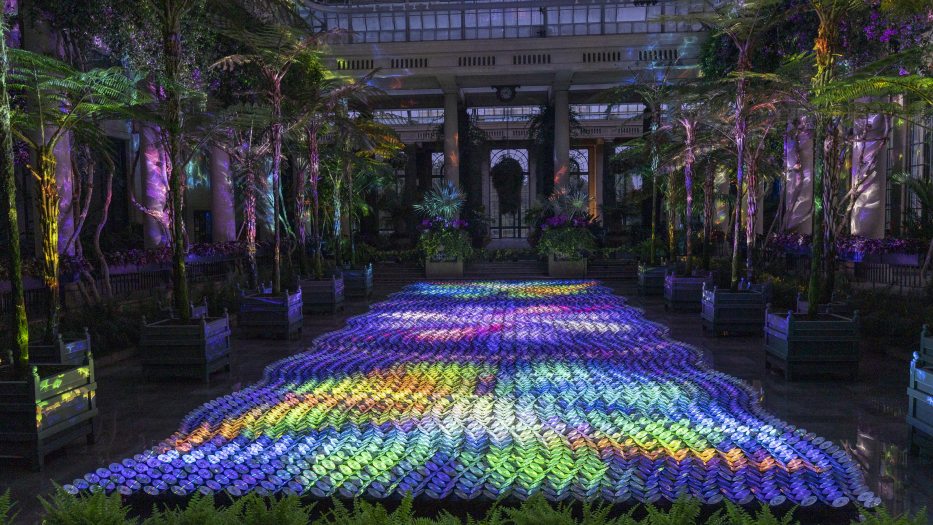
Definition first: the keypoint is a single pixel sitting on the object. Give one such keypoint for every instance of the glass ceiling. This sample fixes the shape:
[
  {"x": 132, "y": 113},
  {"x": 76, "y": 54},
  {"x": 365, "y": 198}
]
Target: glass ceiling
[{"x": 394, "y": 21}]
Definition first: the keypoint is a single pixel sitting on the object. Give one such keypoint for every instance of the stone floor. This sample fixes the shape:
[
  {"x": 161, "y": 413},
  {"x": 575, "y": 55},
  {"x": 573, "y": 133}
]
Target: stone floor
[{"x": 867, "y": 416}]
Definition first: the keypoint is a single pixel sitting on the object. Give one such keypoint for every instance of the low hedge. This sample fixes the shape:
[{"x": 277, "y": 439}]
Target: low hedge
[{"x": 99, "y": 509}]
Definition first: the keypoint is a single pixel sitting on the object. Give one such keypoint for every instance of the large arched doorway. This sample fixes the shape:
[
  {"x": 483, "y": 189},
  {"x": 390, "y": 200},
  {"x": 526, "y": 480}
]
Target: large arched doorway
[{"x": 508, "y": 225}]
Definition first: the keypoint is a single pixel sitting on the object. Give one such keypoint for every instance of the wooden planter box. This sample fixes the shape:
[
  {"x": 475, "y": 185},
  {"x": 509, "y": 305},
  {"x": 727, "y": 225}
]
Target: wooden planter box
[
  {"x": 925, "y": 355},
  {"x": 358, "y": 284},
  {"x": 684, "y": 293},
  {"x": 270, "y": 316},
  {"x": 172, "y": 349},
  {"x": 443, "y": 269},
  {"x": 920, "y": 404},
  {"x": 835, "y": 307},
  {"x": 800, "y": 345},
  {"x": 197, "y": 311},
  {"x": 651, "y": 279},
  {"x": 560, "y": 268},
  {"x": 46, "y": 411},
  {"x": 61, "y": 353},
  {"x": 323, "y": 295},
  {"x": 733, "y": 313}
]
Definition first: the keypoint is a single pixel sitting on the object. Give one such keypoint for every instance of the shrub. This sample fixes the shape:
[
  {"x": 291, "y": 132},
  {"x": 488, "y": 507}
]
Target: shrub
[
  {"x": 64, "y": 509},
  {"x": 7, "y": 515}
]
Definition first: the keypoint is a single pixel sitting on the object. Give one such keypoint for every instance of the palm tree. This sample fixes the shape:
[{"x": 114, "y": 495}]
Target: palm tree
[
  {"x": 20, "y": 323},
  {"x": 272, "y": 49},
  {"x": 60, "y": 100}
]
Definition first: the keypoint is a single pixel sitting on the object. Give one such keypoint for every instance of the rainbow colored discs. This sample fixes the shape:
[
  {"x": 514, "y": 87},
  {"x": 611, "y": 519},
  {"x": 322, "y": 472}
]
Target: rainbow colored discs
[{"x": 484, "y": 389}]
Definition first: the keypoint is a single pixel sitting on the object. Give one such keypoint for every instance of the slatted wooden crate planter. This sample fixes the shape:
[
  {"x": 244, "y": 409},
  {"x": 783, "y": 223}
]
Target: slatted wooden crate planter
[
  {"x": 441, "y": 268},
  {"x": 684, "y": 293},
  {"x": 836, "y": 306},
  {"x": 358, "y": 283},
  {"x": 561, "y": 268},
  {"x": 196, "y": 311},
  {"x": 267, "y": 315},
  {"x": 920, "y": 402},
  {"x": 73, "y": 352},
  {"x": 651, "y": 279},
  {"x": 800, "y": 344},
  {"x": 926, "y": 347},
  {"x": 322, "y": 295},
  {"x": 739, "y": 312},
  {"x": 174, "y": 349},
  {"x": 41, "y": 413}
]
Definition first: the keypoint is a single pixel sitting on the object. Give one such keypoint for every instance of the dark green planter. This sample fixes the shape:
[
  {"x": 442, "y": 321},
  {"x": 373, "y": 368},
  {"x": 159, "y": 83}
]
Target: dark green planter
[
  {"x": 270, "y": 316},
  {"x": 172, "y": 349},
  {"x": 61, "y": 353},
  {"x": 651, "y": 279},
  {"x": 197, "y": 311},
  {"x": 799, "y": 345},
  {"x": 560, "y": 268},
  {"x": 684, "y": 293},
  {"x": 42, "y": 413},
  {"x": 322, "y": 295},
  {"x": 835, "y": 307},
  {"x": 443, "y": 269},
  {"x": 920, "y": 395},
  {"x": 358, "y": 284},
  {"x": 727, "y": 312}
]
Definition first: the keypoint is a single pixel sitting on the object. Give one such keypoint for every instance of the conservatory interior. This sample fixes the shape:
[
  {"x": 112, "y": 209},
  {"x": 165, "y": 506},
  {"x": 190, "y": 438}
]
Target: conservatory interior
[{"x": 489, "y": 262}]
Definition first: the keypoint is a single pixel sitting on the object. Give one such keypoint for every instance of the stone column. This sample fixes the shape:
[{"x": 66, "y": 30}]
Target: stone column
[
  {"x": 599, "y": 171},
  {"x": 798, "y": 175},
  {"x": 223, "y": 219},
  {"x": 868, "y": 175},
  {"x": 451, "y": 137},
  {"x": 561, "y": 137},
  {"x": 154, "y": 186}
]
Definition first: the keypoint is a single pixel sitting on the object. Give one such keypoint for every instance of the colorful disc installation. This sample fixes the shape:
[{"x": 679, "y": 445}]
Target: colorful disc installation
[{"x": 489, "y": 389}]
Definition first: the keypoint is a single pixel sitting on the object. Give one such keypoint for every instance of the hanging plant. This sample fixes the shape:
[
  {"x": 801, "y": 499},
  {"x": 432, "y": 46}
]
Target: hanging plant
[{"x": 508, "y": 178}]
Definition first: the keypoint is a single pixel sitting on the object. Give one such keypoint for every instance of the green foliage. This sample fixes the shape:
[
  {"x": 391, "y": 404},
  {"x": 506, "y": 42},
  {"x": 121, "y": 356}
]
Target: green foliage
[
  {"x": 445, "y": 200},
  {"x": 446, "y": 243},
  {"x": 569, "y": 242},
  {"x": 881, "y": 516},
  {"x": 96, "y": 509},
  {"x": 735, "y": 515},
  {"x": 7, "y": 515}
]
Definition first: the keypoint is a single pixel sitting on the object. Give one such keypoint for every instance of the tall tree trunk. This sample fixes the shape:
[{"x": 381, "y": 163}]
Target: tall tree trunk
[
  {"x": 708, "y": 203},
  {"x": 688, "y": 188},
  {"x": 740, "y": 132},
  {"x": 751, "y": 197},
  {"x": 655, "y": 166},
  {"x": 314, "y": 178},
  {"x": 19, "y": 322},
  {"x": 276, "y": 186},
  {"x": 174, "y": 122},
  {"x": 49, "y": 200},
  {"x": 301, "y": 233},
  {"x": 249, "y": 212},
  {"x": 348, "y": 175},
  {"x": 105, "y": 215}
]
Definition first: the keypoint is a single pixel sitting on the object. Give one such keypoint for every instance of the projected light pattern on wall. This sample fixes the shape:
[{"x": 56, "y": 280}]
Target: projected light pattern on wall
[{"x": 487, "y": 389}]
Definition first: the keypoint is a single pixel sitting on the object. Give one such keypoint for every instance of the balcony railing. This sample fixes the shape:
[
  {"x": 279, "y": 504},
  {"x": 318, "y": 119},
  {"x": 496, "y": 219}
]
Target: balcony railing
[{"x": 404, "y": 21}]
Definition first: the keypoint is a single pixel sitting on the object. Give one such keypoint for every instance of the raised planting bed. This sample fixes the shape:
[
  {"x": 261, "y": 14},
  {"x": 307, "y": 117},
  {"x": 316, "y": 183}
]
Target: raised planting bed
[
  {"x": 73, "y": 352},
  {"x": 651, "y": 279},
  {"x": 441, "y": 268},
  {"x": 197, "y": 311},
  {"x": 920, "y": 403},
  {"x": 561, "y": 268},
  {"x": 926, "y": 347},
  {"x": 800, "y": 344},
  {"x": 739, "y": 312},
  {"x": 267, "y": 315},
  {"x": 322, "y": 295},
  {"x": 685, "y": 293},
  {"x": 44, "y": 411},
  {"x": 174, "y": 349},
  {"x": 358, "y": 283}
]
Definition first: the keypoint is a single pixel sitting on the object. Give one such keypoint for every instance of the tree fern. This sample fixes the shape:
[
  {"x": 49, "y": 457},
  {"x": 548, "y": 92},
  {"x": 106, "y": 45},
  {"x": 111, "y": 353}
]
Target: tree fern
[{"x": 7, "y": 514}]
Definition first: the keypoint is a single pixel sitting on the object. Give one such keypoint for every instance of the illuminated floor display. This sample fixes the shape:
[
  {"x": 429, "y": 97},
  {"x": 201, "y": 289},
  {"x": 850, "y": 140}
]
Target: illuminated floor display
[{"x": 485, "y": 389}]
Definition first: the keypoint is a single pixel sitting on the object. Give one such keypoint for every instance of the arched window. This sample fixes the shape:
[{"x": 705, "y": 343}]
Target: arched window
[
  {"x": 508, "y": 225},
  {"x": 580, "y": 168}
]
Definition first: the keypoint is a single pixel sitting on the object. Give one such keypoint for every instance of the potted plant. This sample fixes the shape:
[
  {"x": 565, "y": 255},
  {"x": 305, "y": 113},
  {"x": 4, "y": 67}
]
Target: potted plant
[
  {"x": 322, "y": 295},
  {"x": 562, "y": 232},
  {"x": 43, "y": 405},
  {"x": 173, "y": 348},
  {"x": 444, "y": 241},
  {"x": 564, "y": 241},
  {"x": 359, "y": 281},
  {"x": 734, "y": 312},
  {"x": 919, "y": 393},
  {"x": 800, "y": 343}
]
